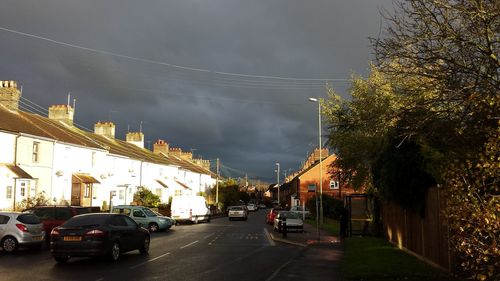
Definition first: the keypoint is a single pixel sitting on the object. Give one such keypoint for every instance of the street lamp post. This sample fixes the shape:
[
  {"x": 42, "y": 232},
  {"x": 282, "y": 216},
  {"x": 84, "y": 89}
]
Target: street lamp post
[
  {"x": 278, "y": 181},
  {"x": 320, "y": 160}
]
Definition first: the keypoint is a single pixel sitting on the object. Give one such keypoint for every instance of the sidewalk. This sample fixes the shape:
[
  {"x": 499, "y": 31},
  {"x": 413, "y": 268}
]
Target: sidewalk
[
  {"x": 308, "y": 237},
  {"x": 320, "y": 260}
]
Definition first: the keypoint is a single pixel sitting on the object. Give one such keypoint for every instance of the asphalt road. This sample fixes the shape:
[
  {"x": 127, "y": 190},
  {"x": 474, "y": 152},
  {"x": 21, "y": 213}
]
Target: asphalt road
[{"x": 220, "y": 250}]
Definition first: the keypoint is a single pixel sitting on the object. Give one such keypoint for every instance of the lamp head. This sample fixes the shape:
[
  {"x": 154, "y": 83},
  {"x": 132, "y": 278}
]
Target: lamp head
[{"x": 313, "y": 99}]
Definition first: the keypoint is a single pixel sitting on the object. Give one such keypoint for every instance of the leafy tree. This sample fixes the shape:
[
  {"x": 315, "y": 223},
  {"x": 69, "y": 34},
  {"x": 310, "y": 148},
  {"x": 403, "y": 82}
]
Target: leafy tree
[
  {"x": 145, "y": 197},
  {"x": 432, "y": 98},
  {"x": 230, "y": 194}
]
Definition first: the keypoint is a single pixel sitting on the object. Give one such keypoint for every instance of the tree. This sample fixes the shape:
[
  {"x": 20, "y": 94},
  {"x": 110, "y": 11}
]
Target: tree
[
  {"x": 230, "y": 194},
  {"x": 145, "y": 197},
  {"x": 451, "y": 47},
  {"x": 433, "y": 96}
]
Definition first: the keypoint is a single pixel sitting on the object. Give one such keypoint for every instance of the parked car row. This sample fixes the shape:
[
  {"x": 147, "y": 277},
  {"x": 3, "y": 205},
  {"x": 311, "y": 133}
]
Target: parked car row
[
  {"x": 278, "y": 217},
  {"x": 36, "y": 225}
]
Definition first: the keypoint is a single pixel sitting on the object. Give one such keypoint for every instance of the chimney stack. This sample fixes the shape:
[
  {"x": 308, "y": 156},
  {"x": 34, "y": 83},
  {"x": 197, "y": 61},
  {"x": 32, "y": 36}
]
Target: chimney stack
[
  {"x": 136, "y": 138},
  {"x": 63, "y": 113},
  {"x": 106, "y": 129},
  {"x": 9, "y": 94},
  {"x": 187, "y": 155},
  {"x": 160, "y": 146},
  {"x": 175, "y": 151}
]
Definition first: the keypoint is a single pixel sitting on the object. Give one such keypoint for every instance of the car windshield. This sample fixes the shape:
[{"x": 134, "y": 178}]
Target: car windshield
[
  {"x": 288, "y": 215},
  {"x": 86, "y": 221},
  {"x": 28, "y": 219},
  {"x": 149, "y": 213},
  {"x": 237, "y": 208}
]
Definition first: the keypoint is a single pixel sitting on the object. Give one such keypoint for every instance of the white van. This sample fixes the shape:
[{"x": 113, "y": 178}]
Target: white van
[{"x": 190, "y": 208}]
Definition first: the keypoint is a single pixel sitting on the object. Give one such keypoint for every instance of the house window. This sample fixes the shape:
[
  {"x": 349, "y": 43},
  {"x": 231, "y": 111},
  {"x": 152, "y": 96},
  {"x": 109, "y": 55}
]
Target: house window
[
  {"x": 9, "y": 192},
  {"x": 94, "y": 194},
  {"x": 178, "y": 192},
  {"x": 36, "y": 151},
  {"x": 93, "y": 160},
  {"x": 87, "y": 190},
  {"x": 121, "y": 194},
  {"x": 334, "y": 184},
  {"x": 23, "y": 189}
]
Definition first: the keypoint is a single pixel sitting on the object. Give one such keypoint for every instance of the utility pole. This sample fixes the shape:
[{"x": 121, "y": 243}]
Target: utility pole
[
  {"x": 217, "y": 186},
  {"x": 278, "y": 181}
]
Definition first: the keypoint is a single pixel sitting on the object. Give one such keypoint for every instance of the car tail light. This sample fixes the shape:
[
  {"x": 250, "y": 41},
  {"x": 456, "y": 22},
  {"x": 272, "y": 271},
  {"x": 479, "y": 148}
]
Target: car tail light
[
  {"x": 95, "y": 233},
  {"x": 22, "y": 227},
  {"x": 54, "y": 233}
]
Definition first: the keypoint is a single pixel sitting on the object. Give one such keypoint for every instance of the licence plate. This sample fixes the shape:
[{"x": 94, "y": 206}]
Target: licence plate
[
  {"x": 37, "y": 238},
  {"x": 72, "y": 238}
]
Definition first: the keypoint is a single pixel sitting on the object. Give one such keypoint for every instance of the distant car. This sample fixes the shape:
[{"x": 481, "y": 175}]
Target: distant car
[
  {"x": 53, "y": 216},
  {"x": 262, "y": 206},
  {"x": 293, "y": 221},
  {"x": 98, "y": 235},
  {"x": 299, "y": 210},
  {"x": 144, "y": 216},
  {"x": 237, "y": 212},
  {"x": 272, "y": 214},
  {"x": 252, "y": 207},
  {"x": 20, "y": 229}
]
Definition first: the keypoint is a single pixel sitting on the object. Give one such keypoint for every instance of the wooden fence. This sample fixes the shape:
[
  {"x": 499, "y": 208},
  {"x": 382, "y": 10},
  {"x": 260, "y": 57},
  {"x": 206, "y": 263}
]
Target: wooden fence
[{"x": 427, "y": 236}]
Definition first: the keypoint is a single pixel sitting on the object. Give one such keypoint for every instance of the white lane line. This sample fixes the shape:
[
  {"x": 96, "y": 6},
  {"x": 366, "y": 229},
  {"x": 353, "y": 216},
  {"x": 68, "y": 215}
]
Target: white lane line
[
  {"x": 189, "y": 244},
  {"x": 208, "y": 236},
  {"x": 271, "y": 241},
  {"x": 148, "y": 261},
  {"x": 275, "y": 273}
]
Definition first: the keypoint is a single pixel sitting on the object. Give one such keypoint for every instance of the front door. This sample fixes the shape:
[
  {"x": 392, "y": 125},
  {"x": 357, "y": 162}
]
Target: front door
[{"x": 76, "y": 194}]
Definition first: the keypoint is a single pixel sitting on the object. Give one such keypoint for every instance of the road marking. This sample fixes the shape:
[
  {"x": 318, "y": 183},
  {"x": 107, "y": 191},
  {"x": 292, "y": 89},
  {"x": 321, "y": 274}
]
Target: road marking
[
  {"x": 275, "y": 273},
  {"x": 208, "y": 236},
  {"x": 271, "y": 241},
  {"x": 148, "y": 261},
  {"x": 189, "y": 244},
  {"x": 100, "y": 279}
]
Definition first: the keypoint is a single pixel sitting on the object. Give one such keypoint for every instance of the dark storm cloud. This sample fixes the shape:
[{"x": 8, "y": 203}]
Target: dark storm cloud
[{"x": 248, "y": 123}]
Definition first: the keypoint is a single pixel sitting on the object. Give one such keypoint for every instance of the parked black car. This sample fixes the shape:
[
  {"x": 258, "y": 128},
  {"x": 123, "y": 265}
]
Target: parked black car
[
  {"x": 98, "y": 235},
  {"x": 53, "y": 216}
]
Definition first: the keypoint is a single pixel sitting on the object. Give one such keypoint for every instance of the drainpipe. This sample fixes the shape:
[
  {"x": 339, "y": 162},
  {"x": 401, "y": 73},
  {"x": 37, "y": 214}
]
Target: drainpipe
[
  {"x": 140, "y": 175},
  {"x": 52, "y": 173},
  {"x": 15, "y": 179}
]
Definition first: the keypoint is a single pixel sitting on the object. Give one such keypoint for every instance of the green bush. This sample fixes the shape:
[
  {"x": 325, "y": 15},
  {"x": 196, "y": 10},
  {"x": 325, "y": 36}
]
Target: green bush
[{"x": 332, "y": 207}]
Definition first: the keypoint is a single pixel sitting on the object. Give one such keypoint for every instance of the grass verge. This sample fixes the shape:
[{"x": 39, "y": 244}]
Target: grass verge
[
  {"x": 374, "y": 259},
  {"x": 330, "y": 225}
]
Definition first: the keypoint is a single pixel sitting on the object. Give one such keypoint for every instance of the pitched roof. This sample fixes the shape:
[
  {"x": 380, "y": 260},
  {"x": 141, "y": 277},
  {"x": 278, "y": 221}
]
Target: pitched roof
[{"x": 36, "y": 125}]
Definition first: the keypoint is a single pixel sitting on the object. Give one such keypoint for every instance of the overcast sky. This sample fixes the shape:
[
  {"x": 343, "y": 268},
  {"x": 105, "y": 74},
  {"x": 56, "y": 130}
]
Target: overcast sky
[{"x": 229, "y": 79}]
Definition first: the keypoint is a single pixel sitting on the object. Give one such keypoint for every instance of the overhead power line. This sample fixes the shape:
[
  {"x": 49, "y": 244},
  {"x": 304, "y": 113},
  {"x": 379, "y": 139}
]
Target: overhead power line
[{"x": 156, "y": 62}]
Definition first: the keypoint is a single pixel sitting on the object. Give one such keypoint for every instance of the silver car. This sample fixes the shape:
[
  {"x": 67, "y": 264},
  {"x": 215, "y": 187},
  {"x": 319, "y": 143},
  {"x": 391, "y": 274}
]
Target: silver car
[
  {"x": 292, "y": 220},
  {"x": 20, "y": 229},
  {"x": 237, "y": 212}
]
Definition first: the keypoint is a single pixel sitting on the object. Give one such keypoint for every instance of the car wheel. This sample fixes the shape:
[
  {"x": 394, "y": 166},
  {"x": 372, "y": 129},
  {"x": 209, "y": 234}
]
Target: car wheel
[
  {"x": 9, "y": 244},
  {"x": 145, "y": 245},
  {"x": 115, "y": 251},
  {"x": 61, "y": 259},
  {"x": 153, "y": 227}
]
